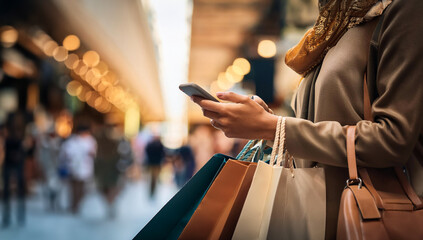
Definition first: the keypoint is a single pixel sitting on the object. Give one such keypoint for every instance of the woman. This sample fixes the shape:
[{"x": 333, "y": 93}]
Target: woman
[{"x": 334, "y": 57}]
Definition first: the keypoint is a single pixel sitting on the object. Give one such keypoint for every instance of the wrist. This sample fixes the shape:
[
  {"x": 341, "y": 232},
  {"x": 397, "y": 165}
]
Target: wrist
[{"x": 269, "y": 126}]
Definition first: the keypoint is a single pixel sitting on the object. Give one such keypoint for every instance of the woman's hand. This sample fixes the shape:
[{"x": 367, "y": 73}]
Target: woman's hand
[
  {"x": 260, "y": 101},
  {"x": 240, "y": 117}
]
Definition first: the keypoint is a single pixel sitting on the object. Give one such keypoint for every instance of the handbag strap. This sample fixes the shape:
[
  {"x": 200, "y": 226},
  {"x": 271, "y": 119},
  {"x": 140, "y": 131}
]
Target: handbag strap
[
  {"x": 352, "y": 161},
  {"x": 405, "y": 184},
  {"x": 408, "y": 189},
  {"x": 367, "y": 109},
  {"x": 365, "y": 202}
]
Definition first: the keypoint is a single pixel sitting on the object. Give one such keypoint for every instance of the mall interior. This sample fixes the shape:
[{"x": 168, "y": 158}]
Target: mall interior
[{"x": 98, "y": 80}]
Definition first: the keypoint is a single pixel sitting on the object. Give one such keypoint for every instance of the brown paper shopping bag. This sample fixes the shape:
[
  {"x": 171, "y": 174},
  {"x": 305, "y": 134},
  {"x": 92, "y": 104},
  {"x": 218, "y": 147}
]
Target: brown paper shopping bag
[{"x": 218, "y": 212}]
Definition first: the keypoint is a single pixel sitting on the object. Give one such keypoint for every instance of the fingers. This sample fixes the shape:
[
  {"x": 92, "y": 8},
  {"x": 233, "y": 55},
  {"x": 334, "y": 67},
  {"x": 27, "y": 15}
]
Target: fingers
[
  {"x": 260, "y": 101},
  {"x": 207, "y": 104},
  {"x": 232, "y": 97},
  {"x": 210, "y": 109},
  {"x": 210, "y": 114}
]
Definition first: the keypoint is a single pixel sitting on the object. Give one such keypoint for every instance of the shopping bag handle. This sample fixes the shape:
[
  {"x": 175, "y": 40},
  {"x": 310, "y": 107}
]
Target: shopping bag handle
[
  {"x": 278, "y": 144},
  {"x": 253, "y": 151}
]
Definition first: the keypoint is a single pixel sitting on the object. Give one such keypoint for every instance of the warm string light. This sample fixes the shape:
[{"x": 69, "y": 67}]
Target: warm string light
[
  {"x": 71, "y": 43},
  {"x": 102, "y": 68},
  {"x": 71, "y": 61},
  {"x": 102, "y": 90},
  {"x": 242, "y": 66},
  {"x": 91, "y": 58},
  {"x": 60, "y": 54},
  {"x": 233, "y": 74},
  {"x": 74, "y": 88},
  {"x": 266, "y": 48},
  {"x": 82, "y": 95},
  {"x": 49, "y": 47}
]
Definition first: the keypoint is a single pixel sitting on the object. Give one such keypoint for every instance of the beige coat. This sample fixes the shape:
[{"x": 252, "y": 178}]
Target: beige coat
[{"x": 331, "y": 97}]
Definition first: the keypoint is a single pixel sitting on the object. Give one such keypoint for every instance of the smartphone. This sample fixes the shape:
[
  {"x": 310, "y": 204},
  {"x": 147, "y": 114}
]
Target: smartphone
[{"x": 192, "y": 89}]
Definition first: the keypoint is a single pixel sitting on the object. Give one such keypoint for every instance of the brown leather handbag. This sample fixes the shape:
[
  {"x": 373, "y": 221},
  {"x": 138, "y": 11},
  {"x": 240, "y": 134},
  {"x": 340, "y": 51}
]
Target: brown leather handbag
[{"x": 378, "y": 203}]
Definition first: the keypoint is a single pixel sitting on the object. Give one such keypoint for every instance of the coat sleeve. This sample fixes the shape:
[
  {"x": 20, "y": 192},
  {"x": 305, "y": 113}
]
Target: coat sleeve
[{"x": 397, "y": 111}]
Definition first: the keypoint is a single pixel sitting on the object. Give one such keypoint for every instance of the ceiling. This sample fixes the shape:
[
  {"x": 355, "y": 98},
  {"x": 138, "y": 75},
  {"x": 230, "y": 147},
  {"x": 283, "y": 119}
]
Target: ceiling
[{"x": 219, "y": 29}]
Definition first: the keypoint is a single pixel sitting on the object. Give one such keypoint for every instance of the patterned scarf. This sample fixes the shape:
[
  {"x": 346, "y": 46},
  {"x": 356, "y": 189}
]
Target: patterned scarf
[{"x": 335, "y": 18}]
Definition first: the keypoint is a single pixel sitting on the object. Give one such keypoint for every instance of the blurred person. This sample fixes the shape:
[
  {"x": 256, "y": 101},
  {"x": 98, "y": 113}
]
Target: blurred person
[
  {"x": 109, "y": 155},
  {"x": 139, "y": 143},
  {"x": 48, "y": 147},
  {"x": 126, "y": 154},
  {"x": 2, "y": 141},
  {"x": 32, "y": 171},
  {"x": 186, "y": 165},
  {"x": 78, "y": 152},
  {"x": 155, "y": 153},
  {"x": 16, "y": 145},
  {"x": 201, "y": 143}
]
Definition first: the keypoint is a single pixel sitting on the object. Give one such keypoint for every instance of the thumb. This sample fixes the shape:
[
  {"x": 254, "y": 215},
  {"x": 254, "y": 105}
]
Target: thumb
[{"x": 232, "y": 97}]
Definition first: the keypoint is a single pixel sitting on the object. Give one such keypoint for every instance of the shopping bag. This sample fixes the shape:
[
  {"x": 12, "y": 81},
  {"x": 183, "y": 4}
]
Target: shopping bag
[
  {"x": 169, "y": 222},
  {"x": 254, "y": 218},
  {"x": 299, "y": 210},
  {"x": 222, "y": 204}
]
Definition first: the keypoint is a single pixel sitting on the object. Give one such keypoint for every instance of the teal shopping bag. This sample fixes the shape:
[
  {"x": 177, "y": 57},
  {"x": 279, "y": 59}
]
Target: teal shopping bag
[{"x": 171, "y": 220}]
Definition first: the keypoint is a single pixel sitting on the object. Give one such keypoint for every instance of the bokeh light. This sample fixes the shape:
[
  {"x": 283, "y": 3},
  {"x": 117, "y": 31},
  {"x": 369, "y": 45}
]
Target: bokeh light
[
  {"x": 102, "y": 68},
  {"x": 102, "y": 86},
  {"x": 71, "y": 43},
  {"x": 99, "y": 101},
  {"x": 232, "y": 76},
  {"x": 81, "y": 68},
  {"x": 92, "y": 77},
  {"x": 90, "y": 97},
  {"x": 74, "y": 88},
  {"x": 242, "y": 65},
  {"x": 60, "y": 54},
  {"x": 71, "y": 61},
  {"x": 223, "y": 82},
  {"x": 9, "y": 36},
  {"x": 49, "y": 47},
  {"x": 266, "y": 48},
  {"x": 91, "y": 58},
  {"x": 82, "y": 95},
  {"x": 63, "y": 125},
  {"x": 111, "y": 78}
]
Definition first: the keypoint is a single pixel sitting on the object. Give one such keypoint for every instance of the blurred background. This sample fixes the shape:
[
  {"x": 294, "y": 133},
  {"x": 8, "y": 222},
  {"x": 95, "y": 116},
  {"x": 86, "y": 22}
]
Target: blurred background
[{"x": 95, "y": 136}]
